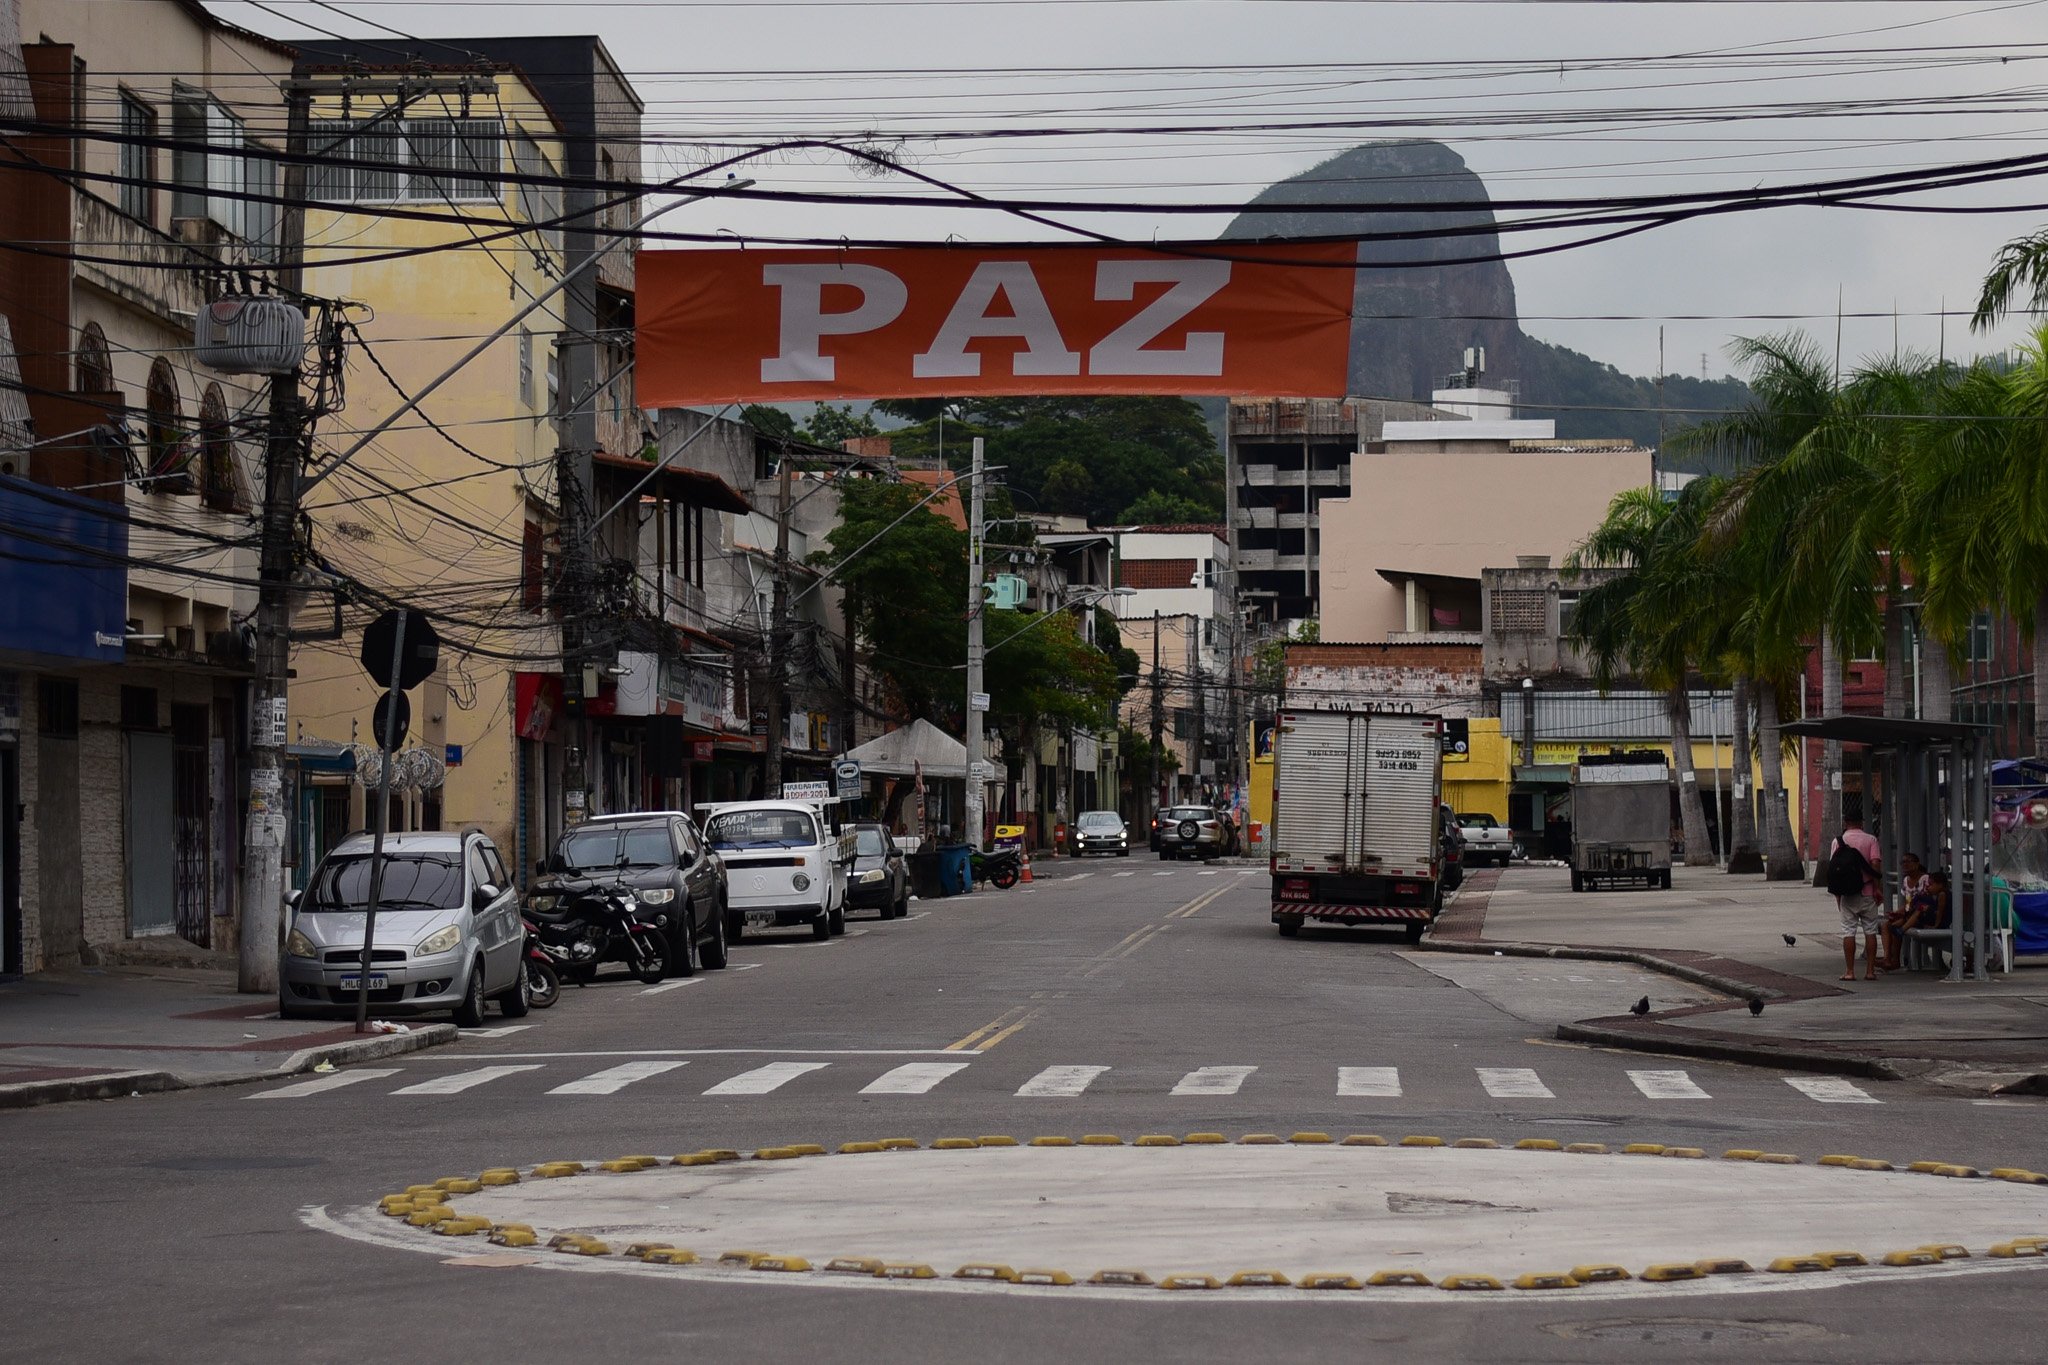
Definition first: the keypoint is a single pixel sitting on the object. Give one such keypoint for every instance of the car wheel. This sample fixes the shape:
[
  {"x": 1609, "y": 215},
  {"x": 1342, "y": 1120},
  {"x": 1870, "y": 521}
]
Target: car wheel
[
  {"x": 1414, "y": 930},
  {"x": 287, "y": 1008},
  {"x": 1578, "y": 880},
  {"x": 1289, "y": 927},
  {"x": 470, "y": 1013},
  {"x": 714, "y": 951},
  {"x": 836, "y": 920},
  {"x": 735, "y": 927},
  {"x": 901, "y": 908},
  {"x": 821, "y": 927},
  {"x": 514, "y": 1004},
  {"x": 1123, "y": 853}
]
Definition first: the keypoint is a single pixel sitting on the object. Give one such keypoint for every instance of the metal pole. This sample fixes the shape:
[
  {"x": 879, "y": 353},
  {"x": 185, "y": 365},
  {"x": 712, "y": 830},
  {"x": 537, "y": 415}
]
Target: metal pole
[
  {"x": 778, "y": 644},
  {"x": 1980, "y": 852},
  {"x": 386, "y": 742},
  {"x": 261, "y": 938},
  {"x": 977, "y": 793},
  {"x": 1956, "y": 802},
  {"x": 1720, "y": 832},
  {"x": 1158, "y": 715}
]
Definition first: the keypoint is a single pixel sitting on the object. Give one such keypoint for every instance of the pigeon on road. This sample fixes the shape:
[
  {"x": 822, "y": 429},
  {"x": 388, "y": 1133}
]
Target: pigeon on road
[
  {"x": 1789, "y": 940},
  {"x": 1640, "y": 1007},
  {"x": 1756, "y": 1007}
]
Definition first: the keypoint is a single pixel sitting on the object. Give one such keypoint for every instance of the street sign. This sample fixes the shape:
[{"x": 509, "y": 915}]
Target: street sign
[
  {"x": 846, "y": 778},
  {"x": 417, "y": 655},
  {"x": 807, "y": 791},
  {"x": 451, "y": 755},
  {"x": 978, "y": 700},
  {"x": 404, "y": 719}
]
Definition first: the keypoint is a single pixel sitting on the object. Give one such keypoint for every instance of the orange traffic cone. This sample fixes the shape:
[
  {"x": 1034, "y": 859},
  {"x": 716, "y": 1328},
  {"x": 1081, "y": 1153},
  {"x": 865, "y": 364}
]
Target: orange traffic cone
[{"x": 1027, "y": 865}]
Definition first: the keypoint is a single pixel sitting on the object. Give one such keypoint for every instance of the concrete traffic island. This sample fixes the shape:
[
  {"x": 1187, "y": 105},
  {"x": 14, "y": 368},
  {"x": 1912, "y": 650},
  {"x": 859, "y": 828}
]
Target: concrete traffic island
[{"x": 1256, "y": 1218}]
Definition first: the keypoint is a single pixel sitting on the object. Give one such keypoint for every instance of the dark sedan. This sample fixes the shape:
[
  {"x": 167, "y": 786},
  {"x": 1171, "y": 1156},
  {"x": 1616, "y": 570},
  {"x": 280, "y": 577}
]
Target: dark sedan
[
  {"x": 879, "y": 878},
  {"x": 660, "y": 861}
]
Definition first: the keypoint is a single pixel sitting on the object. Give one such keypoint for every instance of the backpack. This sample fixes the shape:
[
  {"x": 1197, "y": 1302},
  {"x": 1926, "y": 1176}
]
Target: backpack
[{"x": 1848, "y": 870}]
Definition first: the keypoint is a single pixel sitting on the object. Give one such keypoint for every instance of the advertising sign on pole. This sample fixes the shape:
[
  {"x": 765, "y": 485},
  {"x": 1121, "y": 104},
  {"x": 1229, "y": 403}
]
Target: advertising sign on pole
[{"x": 728, "y": 326}]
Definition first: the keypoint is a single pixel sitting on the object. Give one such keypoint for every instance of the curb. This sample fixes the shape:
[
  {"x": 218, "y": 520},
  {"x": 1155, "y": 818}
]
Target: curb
[
  {"x": 1742, "y": 990},
  {"x": 116, "y": 1084},
  {"x": 1748, "y": 1054}
]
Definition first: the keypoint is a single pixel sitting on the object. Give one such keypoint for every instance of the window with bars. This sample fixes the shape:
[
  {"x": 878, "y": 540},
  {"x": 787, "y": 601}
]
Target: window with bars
[
  {"x": 538, "y": 203},
  {"x": 386, "y": 160},
  {"x": 1520, "y": 611}
]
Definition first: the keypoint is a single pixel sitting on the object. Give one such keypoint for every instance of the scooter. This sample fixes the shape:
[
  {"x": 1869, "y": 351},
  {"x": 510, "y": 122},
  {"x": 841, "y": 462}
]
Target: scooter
[
  {"x": 543, "y": 982},
  {"x": 1002, "y": 866},
  {"x": 595, "y": 927}
]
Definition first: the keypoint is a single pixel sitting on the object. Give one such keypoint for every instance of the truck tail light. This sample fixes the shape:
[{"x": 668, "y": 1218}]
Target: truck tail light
[{"x": 1295, "y": 889}]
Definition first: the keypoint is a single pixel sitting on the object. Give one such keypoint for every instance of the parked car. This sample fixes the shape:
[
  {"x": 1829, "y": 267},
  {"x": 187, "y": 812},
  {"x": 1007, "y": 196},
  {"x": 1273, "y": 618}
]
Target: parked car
[
  {"x": 1101, "y": 831},
  {"x": 660, "y": 861},
  {"x": 879, "y": 878},
  {"x": 1191, "y": 832},
  {"x": 1487, "y": 840},
  {"x": 448, "y": 937},
  {"x": 785, "y": 865}
]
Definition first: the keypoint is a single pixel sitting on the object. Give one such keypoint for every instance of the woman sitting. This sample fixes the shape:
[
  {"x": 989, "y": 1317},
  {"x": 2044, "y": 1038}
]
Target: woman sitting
[
  {"x": 1929, "y": 910},
  {"x": 1912, "y": 891}
]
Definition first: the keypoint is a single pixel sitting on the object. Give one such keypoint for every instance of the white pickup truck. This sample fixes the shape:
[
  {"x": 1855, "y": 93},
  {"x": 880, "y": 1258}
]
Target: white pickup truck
[
  {"x": 1487, "y": 840},
  {"x": 785, "y": 864}
]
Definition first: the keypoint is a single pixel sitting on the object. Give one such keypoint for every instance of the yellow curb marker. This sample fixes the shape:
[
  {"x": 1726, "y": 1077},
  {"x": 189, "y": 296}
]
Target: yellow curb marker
[
  {"x": 554, "y": 1170},
  {"x": 955, "y": 1145},
  {"x": 1260, "y": 1140},
  {"x": 784, "y": 1263},
  {"x": 1052, "y": 1142},
  {"x": 1477, "y": 1144},
  {"x": 1416, "y": 1141},
  {"x": 1204, "y": 1139},
  {"x": 1052, "y": 1277},
  {"x": 1600, "y": 1274},
  {"x": 1587, "y": 1148},
  {"x": 1539, "y": 1145},
  {"x": 1742, "y": 1154},
  {"x": 986, "y": 1272},
  {"x": 1363, "y": 1140},
  {"x": 1837, "y": 1260},
  {"x": 1101, "y": 1140},
  {"x": 513, "y": 1237},
  {"x": 1909, "y": 1258},
  {"x": 854, "y": 1265},
  {"x": 1398, "y": 1279},
  {"x": 1156, "y": 1140},
  {"x": 1482, "y": 1282},
  {"x": 1724, "y": 1265},
  {"x": 1798, "y": 1265},
  {"x": 1309, "y": 1139},
  {"x": 1674, "y": 1270},
  {"x": 1687, "y": 1153},
  {"x": 2006, "y": 1251},
  {"x": 1643, "y": 1149},
  {"x": 1190, "y": 1282},
  {"x": 899, "y": 1144},
  {"x": 1537, "y": 1280},
  {"x": 1948, "y": 1251},
  {"x": 909, "y": 1271},
  {"x": 1329, "y": 1279},
  {"x": 1258, "y": 1279},
  {"x": 1122, "y": 1277},
  {"x": 858, "y": 1148},
  {"x": 997, "y": 1141}
]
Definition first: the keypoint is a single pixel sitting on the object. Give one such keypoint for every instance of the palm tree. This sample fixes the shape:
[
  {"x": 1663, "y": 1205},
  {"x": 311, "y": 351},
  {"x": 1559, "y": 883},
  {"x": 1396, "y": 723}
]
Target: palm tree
[
  {"x": 1648, "y": 618},
  {"x": 1980, "y": 477},
  {"x": 2021, "y": 268}
]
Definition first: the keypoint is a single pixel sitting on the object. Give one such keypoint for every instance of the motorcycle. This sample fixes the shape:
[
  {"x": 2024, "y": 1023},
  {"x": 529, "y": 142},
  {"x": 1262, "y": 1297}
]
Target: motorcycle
[
  {"x": 1001, "y": 866},
  {"x": 595, "y": 927},
  {"x": 543, "y": 982}
]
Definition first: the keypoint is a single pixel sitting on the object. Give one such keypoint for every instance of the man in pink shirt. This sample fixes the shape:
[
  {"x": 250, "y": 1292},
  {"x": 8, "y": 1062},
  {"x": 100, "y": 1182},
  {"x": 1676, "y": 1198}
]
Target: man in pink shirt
[{"x": 1862, "y": 909}]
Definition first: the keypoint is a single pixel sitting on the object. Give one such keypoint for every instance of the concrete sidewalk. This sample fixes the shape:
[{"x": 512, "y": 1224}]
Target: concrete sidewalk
[
  {"x": 1729, "y": 933},
  {"x": 96, "y": 1032}
]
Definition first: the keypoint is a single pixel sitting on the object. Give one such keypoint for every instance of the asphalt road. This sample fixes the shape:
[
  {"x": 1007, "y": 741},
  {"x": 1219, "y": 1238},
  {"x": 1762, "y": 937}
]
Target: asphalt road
[{"x": 1138, "y": 998}]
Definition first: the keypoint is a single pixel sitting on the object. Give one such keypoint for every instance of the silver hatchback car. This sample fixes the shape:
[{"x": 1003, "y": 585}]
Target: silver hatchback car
[{"x": 449, "y": 935}]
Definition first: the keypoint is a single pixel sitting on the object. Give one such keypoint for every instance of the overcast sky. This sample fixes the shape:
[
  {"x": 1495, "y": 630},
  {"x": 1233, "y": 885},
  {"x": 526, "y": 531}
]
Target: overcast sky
[{"x": 1496, "y": 79}]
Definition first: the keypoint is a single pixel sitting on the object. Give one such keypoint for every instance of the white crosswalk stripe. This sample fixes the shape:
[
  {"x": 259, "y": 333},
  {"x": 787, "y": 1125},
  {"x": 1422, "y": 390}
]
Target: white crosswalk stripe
[
  {"x": 1667, "y": 1085},
  {"x": 1123, "y": 874},
  {"x": 464, "y": 1080},
  {"x": 1831, "y": 1090},
  {"x": 613, "y": 1079},
  {"x": 1061, "y": 1081},
  {"x": 1214, "y": 1080},
  {"x": 763, "y": 1079},
  {"x": 913, "y": 1078},
  {"x": 1513, "y": 1083},
  {"x": 1379, "y": 1082},
  {"x": 321, "y": 1084}
]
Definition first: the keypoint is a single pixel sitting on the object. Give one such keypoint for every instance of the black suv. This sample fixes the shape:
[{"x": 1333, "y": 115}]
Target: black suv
[{"x": 661, "y": 861}]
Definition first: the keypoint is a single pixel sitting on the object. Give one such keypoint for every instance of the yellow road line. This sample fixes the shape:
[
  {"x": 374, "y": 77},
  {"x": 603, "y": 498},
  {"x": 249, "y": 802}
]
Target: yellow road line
[
  {"x": 992, "y": 1040},
  {"x": 1000, "y": 1022},
  {"x": 1198, "y": 904}
]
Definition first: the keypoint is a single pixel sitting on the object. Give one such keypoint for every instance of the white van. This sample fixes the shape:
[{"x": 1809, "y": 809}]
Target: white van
[{"x": 785, "y": 864}]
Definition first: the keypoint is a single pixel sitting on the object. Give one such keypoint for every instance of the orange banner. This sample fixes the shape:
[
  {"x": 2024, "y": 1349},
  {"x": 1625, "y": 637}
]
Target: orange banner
[{"x": 721, "y": 326}]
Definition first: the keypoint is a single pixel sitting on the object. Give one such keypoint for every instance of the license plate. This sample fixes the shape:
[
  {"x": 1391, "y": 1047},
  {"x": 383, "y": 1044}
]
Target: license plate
[
  {"x": 757, "y": 918},
  {"x": 355, "y": 983}
]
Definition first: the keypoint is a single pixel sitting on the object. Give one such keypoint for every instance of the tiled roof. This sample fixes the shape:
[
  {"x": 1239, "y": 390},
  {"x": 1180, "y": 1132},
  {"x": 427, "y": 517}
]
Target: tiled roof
[{"x": 1156, "y": 573}]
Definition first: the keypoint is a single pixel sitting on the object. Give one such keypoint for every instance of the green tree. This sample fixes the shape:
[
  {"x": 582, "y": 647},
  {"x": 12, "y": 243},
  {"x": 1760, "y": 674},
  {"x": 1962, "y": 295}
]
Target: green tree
[
  {"x": 833, "y": 425},
  {"x": 1646, "y": 619},
  {"x": 2019, "y": 276},
  {"x": 771, "y": 421},
  {"x": 904, "y": 593},
  {"x": 1067, "y": 487},
  {"x": 1155, "y": 508}
]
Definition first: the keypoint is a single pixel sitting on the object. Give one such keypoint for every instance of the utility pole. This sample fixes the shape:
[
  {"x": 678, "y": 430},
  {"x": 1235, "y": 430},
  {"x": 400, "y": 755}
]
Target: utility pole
[
  {"x": 1198, "y": 750},
  {"x": 262, "y": 884},
  {"x": 778, "y": 641},
  {"x": 977, "y": 698},
  {"x": 1158, "y": 713}
]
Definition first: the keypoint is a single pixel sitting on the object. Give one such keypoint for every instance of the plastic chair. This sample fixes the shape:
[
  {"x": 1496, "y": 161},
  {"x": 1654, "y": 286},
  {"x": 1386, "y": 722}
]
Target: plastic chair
[{"x": 2003, "y": 927}]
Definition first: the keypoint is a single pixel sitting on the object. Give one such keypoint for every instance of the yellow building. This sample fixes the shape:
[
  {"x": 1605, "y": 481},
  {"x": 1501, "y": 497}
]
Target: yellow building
[{"x": 448, "y": 511}]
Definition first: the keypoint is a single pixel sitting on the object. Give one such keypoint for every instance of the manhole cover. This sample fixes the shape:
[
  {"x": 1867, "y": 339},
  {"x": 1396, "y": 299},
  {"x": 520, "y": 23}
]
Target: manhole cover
[{"x": 1685, "y": 1331}]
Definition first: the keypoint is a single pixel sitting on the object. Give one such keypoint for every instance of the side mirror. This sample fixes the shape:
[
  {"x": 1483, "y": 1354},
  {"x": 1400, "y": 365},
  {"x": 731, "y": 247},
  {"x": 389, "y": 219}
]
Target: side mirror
[
  {"x": 485, "y": 894},
  {"x": 540, "y": 867},
  {"x": 291, "y": 900}
]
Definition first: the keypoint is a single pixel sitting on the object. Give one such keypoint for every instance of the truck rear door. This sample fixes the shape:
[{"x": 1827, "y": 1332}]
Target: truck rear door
[
  {"x": 1318, "y": 778},
  {"x": 1400, "y": 765}
]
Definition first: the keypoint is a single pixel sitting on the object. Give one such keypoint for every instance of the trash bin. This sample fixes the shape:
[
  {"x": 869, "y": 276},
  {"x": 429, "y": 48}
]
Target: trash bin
[
  {"x": 924, "y": 874},
  {"x": 956, "y": 871}
]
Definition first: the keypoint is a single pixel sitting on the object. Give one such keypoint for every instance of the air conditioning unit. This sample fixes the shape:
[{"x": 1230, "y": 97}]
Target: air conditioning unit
[{"x": 241, "y": 334}]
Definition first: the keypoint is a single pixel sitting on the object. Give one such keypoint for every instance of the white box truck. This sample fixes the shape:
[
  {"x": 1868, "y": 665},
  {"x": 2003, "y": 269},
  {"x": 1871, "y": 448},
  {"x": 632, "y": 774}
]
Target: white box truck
[{"x": 1357, "y": 810}]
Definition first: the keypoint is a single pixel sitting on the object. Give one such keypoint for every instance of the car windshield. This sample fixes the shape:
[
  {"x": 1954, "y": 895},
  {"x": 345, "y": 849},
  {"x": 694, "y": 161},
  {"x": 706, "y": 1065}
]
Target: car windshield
[
  {"x": 761, "y": 829},
  {"x": 412, "y": 881},
  {"x": 869, "y": 843},
  {"x": 1100, "y": 819},
  {"x": 645, "y": 846},
  {"x": 610, "y": 846}
]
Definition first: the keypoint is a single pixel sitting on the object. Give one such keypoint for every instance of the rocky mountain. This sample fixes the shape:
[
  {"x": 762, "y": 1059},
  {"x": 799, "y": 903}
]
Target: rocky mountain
[{"x": 1420, "y": 303}]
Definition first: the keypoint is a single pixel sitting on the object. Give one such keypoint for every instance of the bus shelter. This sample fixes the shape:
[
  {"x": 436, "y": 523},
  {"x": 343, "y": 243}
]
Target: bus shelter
[{"x": 1926, "y": 789}]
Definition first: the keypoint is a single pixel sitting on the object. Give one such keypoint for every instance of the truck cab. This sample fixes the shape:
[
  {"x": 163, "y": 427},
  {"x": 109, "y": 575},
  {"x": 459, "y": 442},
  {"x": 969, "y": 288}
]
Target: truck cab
[{"x": 1357, "y": 834}]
